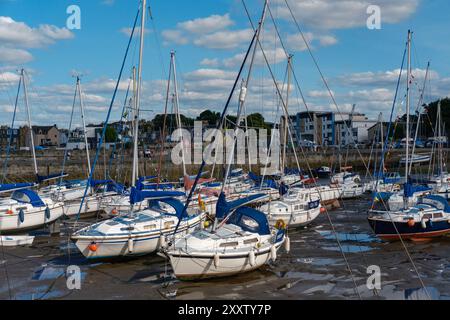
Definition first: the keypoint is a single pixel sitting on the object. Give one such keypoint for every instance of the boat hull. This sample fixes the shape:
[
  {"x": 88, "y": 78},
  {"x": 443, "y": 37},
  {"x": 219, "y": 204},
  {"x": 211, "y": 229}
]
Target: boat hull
[
  {"x": 202, "y": 266},
  {"x": 385, "y": 229},
  {"x": 119, "y": 246},
  {"x": 36, "y": 219}
]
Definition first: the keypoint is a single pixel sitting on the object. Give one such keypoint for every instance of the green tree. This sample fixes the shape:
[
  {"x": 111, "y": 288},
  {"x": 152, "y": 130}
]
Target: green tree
[
  {"x": 110, "y": 135},
  {"x": 210, "y": 116}
]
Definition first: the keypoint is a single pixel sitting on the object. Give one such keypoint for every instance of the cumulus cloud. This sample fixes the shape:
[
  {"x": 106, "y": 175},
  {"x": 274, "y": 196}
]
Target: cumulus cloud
[
  {"x": 344, "y": 14},
  {"x": 16, "y": 37},
  {"x": 209, "y": 24}
]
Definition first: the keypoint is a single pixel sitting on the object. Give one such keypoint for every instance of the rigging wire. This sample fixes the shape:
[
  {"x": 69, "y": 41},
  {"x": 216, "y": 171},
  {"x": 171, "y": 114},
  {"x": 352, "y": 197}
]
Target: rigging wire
[
  {"x": 337, "y": 107},
  {"x": 289, "y": 120}
]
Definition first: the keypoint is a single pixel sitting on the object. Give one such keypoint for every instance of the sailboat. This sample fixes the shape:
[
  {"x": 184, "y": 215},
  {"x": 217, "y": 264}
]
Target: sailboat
[
  {"x": 71, "y": 192},
  {"x": 300, "y": 206},
  {"x": 141, "y": 231},
  {"x": 240, "y": 239},
  {"x": 25, "y": 209},
  {"x": 428, "y": 216}
]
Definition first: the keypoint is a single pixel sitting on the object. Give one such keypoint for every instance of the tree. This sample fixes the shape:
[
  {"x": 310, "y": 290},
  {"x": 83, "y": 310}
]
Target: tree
[
  {"x": 110, "y": 135},
  {"x": 210, "y": 116}
]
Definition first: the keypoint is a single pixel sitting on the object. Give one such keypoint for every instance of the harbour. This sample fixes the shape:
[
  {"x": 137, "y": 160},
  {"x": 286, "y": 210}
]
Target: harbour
[
  {"x": 256, "y": 176},
  {"x": 314, "y": 269}
]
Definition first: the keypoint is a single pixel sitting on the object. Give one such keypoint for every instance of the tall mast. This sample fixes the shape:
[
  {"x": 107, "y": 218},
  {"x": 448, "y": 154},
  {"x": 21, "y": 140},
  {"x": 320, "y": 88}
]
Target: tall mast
[
  {"x": 25, "y": 93},
  {"x": 408, "y": 101},
  {"x": 138, "y": 96},
  {"x": 286, "y": 122},
  {"x": 439, "y": 121},
  {"x": 84, "y": 124},
  {"x": 177, "y": 109}
]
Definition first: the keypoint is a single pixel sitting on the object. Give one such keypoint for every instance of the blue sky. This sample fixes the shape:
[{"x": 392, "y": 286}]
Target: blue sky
[{"x": 209, "y": 38}]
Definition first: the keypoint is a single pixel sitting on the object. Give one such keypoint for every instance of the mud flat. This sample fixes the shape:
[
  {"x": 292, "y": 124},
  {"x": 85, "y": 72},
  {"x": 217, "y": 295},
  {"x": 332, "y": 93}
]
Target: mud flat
[{"x": 314, "y": 269}]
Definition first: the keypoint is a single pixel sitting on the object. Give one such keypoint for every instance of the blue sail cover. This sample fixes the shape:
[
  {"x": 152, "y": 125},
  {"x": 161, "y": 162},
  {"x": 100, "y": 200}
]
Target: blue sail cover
[
  {"x": 116, "y": 187},
  {"x": 250, "y": 220},
  {"x": 437, "y": 201},
  {"x": 223, "y": 207},
  {"x": 137, "y": 195},
  {"x": 410, "y": 189},
  {"x": 28, "y": 196},
  {"x": 95, "y": 183},
  {"x": 41, "y": 179},
  {"x": 174, "y": 203},
  {"x": 14, "y": 186},
  {"x": 140, "y": 181},
  {"x": 156, "y": 186}
]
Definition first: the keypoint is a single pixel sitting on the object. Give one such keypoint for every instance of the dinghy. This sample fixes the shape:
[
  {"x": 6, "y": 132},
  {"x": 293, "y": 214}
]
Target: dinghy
[{"x": 15, "y": 241}]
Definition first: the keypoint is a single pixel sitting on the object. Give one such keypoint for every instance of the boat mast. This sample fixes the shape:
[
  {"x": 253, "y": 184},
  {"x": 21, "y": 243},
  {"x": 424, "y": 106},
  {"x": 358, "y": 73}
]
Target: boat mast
[
  {"x": 286, "y": 122},
  {"x": 177, "y": 109},
  {"x": 25, "y": 93},
  {"x": 419, "y": 103},
  {"x": 408, "y": 101},
  {"x": 439, "y": 121},
  {"x": 138, "y": 96},
  {"x": 84, "y": 123}
]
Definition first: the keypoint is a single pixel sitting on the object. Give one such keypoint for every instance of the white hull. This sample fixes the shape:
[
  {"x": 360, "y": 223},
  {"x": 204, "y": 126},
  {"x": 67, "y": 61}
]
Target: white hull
[
  {"x": 14, "y": 241},
  {"x": 34, "y": 218},
  {"x": 199, "y": 266},
  {"x": 142, "y": 242},
  {"x": 91, "y": 204},
  {"x": 295, "y": 220}
]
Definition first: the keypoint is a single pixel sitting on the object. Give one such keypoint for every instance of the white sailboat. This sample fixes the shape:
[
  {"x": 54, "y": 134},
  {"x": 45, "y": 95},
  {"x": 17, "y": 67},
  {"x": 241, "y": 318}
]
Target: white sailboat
[
  {"x": 143, "y": 231},
  {"x": 25, "y": 209},
  {"x": 240, "y": 239}
]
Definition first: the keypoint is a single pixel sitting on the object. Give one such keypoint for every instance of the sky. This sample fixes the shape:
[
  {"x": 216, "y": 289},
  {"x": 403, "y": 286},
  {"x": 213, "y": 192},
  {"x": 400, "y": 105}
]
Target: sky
[{"x": 360, "y": 65}]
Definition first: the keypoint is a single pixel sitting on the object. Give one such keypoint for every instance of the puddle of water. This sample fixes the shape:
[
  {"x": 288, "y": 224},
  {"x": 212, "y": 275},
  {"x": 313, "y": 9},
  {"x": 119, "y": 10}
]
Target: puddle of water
[
  {"x": 48, "y": 273},
  {"x": 356, "y": 237},
  {"x": 349, "y": 248}
]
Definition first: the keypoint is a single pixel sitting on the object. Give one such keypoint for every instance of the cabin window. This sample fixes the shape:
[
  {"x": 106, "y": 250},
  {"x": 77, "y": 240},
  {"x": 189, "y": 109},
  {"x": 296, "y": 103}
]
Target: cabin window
[
  {"x": 249, "y": 223},
  {"x": 229, "y": 244},
  {"x": 21, "y": 208},
  {"x": 438, "y": 215},
  {"x": 150, "y": 227},
  {"x": 248, "y": 241},
  {"x": 168, "y": 224},
  {"x": 427, "y": 216}
]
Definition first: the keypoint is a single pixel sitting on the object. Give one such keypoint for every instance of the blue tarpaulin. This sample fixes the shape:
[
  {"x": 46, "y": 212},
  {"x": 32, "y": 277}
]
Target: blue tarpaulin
[{"x": 139, "y": 195}]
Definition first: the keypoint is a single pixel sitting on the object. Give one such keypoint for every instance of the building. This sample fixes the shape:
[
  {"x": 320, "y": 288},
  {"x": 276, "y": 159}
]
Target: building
[
  {"x": 42, "y": 135},
  {"x": 374, "y": 132},
  {"x": 354, "y": 130},
  {"x": 5, "y": 135}
]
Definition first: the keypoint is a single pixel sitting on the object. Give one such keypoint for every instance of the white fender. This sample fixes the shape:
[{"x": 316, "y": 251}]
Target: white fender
[
  {"x": 423, "y": 223},
  {"x": 216, "y": 260},
  {"x": 162, "y": 242},
  {"x": 273, "y": 253},
  {"x": 287, "y": 244},
  {"x": 130, "y": 245},
  {"x": 252, "y": 258}
]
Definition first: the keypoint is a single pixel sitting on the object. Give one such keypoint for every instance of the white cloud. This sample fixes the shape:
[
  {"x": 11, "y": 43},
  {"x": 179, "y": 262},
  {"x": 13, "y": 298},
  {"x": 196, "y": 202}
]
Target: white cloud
[
  {"x": 330, "y": 14},
  {"x": 228, "y": 39},
  {"x": 209, "y": 24},
  {"x": 137, "y": 32},
  {"x": 21, "y": 35},
  {"x": 15, "y": 37},
  {"x": 174, "y": 36},
  {"x": 17, "y": 56},
  {"x": 210, "y": 62}
]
